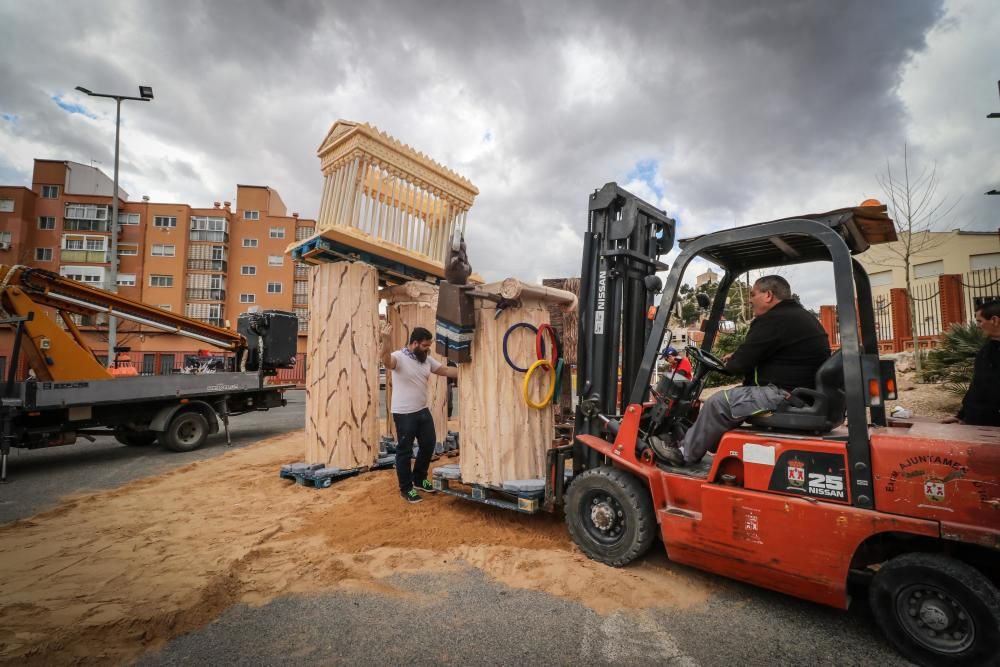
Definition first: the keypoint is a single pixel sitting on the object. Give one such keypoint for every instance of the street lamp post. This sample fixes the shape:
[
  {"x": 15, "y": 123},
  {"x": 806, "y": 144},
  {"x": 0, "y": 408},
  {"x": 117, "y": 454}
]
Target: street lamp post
[{"x": 145, "y": 95}]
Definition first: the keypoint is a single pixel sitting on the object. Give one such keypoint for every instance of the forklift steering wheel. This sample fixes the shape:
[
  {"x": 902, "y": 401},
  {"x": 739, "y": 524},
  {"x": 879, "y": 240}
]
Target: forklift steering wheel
[{"x": 711, "y": 362}]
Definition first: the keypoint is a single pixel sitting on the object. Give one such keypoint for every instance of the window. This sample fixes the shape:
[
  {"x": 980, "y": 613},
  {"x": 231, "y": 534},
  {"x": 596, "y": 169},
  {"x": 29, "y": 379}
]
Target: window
[
  {"x": 163, "y": 250},
  {"x": 928, "y": 269},
  {"x": 274, "y": 288},
  {"x": 277, "y": 232},
  {"x": 87, "y": 212},
  {"x": 46, "y": 222},
  {"x": 275, "y": 260},
  {"x": 6, "y": 205},
  {"x": 126, "y": 280},
  {"x": 43, "y": 254},
  {"x": 96, "y": 243},
  {"x": 247, "y": 270},
  {"x": 73, "y": 244},
  {"x": 881, "y": 278},
  {"x": 128, "y": 249},
  {"x": 208, "y": 229},
  {"x": 249, "y": 243},
  {"x": 987, "y": 261},
  {"x": 164, "y": 221},
  {"x": 5, "y": 237},
  {"x": 161, "y": 281},
  {"x": 128, "y": 218},
  {"x": 50, "y": 191},
  {"x": 83, "y": 274},
  {"x": 302, "y": 233},
  {"x": 165, "y": 306},
  {"x": 251, "y": 215},
  {"x": 248, "y": 298}
]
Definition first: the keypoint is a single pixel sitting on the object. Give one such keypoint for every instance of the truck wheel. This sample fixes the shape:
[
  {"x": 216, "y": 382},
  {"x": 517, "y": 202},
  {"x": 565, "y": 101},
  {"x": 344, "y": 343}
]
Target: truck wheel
[
  {"x": 610, "y": 515},
  {"x": 132, "y": 438},
  {"x": 937, "y": 610},
  {"x": 186, "y": 432}
]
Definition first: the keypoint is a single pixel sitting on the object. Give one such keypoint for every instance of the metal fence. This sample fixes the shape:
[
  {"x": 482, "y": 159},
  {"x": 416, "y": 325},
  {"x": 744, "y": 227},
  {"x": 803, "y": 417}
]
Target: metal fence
[
  {"x": 882, "y": 308},
  {"x": 980, "y": 287},
  {"x": 926, "y": 309}
]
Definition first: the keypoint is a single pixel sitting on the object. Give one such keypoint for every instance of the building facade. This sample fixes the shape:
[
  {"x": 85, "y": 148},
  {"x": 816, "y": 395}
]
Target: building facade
[{"x": 210, "y": 264}]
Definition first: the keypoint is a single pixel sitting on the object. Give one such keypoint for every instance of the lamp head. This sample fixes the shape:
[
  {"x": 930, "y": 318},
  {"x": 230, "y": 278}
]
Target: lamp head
[
  {"x": 146, "y": 92},
  {"x": 84, "y": 90}
]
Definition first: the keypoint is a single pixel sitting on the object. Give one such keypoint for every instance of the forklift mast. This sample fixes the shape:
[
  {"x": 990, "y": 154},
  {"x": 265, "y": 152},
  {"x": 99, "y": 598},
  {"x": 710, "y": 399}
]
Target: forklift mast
[{"x": 625, "y": 238}]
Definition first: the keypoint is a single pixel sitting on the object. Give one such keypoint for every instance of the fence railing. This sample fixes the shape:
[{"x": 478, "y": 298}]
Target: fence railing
[
  {"x": 926, "y": 309},
  {"x": 980, "y": 287}
]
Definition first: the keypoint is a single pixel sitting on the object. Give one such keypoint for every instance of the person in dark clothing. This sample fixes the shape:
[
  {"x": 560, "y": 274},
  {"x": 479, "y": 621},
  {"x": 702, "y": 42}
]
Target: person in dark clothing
[
  {"x": 981, "y": 405},
  {"x": 784, "y": 347}
]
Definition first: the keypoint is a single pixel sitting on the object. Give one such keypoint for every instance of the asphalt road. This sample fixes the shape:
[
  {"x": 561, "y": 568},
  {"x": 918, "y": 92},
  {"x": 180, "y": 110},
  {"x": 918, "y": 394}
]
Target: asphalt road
[
  {"x": 469, "y": 619},
  {"x": 38, "y": 478},
  {"x": 463, "y": 618}
]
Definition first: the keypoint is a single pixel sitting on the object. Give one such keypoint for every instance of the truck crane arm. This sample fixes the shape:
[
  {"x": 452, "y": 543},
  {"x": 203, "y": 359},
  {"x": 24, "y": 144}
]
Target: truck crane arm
[{"x": 61, "y": 355}]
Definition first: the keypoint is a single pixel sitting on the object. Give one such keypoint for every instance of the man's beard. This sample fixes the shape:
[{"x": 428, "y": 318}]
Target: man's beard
[{"x": 420, "y": 354}]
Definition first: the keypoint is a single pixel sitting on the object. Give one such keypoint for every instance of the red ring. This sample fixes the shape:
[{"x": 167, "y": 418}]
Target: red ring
[{"x": 540, "y": 343}]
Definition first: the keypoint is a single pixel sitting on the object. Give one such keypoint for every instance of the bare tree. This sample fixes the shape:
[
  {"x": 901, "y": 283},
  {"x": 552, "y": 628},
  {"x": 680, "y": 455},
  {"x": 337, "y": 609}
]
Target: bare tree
[{"x": 917, "y": 210}]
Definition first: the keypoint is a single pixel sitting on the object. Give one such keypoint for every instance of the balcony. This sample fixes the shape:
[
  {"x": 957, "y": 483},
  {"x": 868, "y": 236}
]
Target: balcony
[
  {"x": 76, "y": 225},
  {"x": 214, "y": 321},
  {"x": 92, "y": 256},
  {"x": 300, "y": 300},
  {"x": 206, "y": 294},
  {"x": 206, "y": 235},
  {"x": 301, "y": 271},
  {"x": 213, "y": 265}
]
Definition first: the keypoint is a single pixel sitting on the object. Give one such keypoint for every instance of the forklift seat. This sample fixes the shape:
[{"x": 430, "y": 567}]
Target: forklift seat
[{"x": 825, "y": 406}]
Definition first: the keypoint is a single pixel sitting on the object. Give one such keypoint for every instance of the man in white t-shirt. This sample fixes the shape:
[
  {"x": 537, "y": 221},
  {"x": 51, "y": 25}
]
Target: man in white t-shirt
[{"x": 411, "y": 368}]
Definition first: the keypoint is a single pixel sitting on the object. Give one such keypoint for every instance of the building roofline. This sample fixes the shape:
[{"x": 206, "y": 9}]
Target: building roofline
[{"x": 15, "y": 187}]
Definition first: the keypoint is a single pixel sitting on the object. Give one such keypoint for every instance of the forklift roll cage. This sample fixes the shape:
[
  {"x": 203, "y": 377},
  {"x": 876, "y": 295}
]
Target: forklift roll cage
[{"x": 628, "y": 293}]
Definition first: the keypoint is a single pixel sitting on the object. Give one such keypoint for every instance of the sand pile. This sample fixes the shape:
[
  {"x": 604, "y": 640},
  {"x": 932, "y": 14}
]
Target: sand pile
[{"x": 105, "y": 577}]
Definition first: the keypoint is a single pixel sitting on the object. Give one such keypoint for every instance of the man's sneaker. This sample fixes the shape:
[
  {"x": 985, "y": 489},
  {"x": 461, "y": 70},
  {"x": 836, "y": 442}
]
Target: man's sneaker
[
  {"x": 411, "y": 496},
  {"x": 674, "y": 457},
  {"x": 426, "y": 486}
]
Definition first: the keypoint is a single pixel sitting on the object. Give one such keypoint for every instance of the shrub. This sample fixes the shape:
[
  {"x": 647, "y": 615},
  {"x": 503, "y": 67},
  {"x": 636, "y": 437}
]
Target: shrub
[{"x": 952, "y": 362}]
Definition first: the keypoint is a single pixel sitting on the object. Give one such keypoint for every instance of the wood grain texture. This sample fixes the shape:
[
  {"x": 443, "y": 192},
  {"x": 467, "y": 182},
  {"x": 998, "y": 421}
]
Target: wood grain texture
[
  {"x": 342, "y": 365},
  {"x": 502, "y": 438},
  {"x": 411, "y": 305}
]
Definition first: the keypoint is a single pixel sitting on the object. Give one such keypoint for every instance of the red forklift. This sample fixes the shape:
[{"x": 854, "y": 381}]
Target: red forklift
[{"x": 822, "y": 498}]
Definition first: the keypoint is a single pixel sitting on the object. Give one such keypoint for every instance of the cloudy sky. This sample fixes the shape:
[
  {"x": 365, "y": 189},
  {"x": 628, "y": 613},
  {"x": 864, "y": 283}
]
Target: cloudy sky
[{"x": 723, "y": 113}]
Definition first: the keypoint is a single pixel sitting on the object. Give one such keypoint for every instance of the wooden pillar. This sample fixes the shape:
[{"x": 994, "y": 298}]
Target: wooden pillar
[
  {"x": 411, "y": 305},
  {"x": 503, "y": 439},
  {"x": 342, "y": 366},
  {"x": 952, "y": 300}
]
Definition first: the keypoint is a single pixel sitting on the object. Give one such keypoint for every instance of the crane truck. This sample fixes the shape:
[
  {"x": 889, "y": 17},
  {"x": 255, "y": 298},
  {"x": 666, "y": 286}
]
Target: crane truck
[{"x": 70, "y": 394}]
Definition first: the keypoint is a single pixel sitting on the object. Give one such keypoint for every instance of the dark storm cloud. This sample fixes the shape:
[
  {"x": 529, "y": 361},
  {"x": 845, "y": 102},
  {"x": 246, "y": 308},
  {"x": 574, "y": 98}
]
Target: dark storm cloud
[{"x": 741, "y": 106}]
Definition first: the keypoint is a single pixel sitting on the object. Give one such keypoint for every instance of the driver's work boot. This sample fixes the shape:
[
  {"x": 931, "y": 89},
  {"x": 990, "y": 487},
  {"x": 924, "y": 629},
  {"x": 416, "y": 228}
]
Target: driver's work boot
[{"x": 674, "y": 456}]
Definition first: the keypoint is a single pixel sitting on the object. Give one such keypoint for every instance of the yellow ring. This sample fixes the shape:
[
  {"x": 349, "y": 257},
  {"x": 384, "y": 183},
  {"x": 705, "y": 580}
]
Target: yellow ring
[{"x": 552, "y": 383}]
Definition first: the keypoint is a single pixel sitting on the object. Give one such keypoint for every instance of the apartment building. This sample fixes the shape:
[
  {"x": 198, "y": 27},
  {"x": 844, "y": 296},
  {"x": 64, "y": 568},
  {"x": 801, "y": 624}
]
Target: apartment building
[{"x": 210, "y": 263}]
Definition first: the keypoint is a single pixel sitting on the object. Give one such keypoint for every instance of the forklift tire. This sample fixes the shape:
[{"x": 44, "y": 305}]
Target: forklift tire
[
  {"x": 127, "y": 436},
  {"x": 937, "y": 610},
  {"x": 610, "y": 515},
  {"x": 186, "y": 432}
]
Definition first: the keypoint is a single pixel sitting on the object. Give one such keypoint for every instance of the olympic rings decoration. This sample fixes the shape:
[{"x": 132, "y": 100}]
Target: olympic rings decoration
[
  {"x": 541, "y": 363},
  {"x": 506, "y": 337},
  {"x": 540, "y": 342}
]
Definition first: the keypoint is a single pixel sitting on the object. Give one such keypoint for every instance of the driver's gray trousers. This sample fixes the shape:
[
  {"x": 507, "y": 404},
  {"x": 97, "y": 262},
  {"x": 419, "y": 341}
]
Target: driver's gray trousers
[{"x": 724, "y": 411}]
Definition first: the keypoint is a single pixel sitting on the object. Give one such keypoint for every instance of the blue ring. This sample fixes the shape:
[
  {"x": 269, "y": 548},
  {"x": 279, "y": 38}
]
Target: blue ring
[{"x": 506, "y": 336}]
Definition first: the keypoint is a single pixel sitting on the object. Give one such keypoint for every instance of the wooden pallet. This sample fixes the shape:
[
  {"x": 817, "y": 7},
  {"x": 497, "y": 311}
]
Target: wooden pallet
[
  {"x": 524, "y": 502},
  {"x": 317, "y": 478}
]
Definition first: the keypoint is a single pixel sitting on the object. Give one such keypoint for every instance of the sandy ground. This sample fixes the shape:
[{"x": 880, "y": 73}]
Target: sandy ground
[{"x": 105, "y": 577}]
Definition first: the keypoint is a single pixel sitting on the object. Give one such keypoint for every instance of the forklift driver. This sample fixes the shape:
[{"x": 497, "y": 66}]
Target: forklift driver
[{"x": 784, "y": 347}]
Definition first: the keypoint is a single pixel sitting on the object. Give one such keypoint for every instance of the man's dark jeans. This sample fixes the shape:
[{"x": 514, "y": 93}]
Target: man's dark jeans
[{"x": 419, "y": 425}]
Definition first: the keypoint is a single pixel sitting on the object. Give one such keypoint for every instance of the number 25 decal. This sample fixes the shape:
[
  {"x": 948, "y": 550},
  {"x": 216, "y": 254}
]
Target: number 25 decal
[{"x": 829, "y": 482}]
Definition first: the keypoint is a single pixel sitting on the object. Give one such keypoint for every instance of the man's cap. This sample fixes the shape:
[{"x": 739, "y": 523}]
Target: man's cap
[{"x": 667, "y": 351}]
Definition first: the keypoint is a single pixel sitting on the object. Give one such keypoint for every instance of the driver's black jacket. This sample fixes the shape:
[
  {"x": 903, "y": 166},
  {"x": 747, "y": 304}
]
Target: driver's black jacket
[
  {"x": 981, "y": 405},
  {"x": 784, "y": 347}
]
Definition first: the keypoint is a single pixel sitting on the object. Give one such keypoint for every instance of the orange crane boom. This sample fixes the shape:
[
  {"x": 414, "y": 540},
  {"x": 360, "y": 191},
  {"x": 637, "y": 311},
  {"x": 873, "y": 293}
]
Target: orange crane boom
[{"x": 62, "y": 355}]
